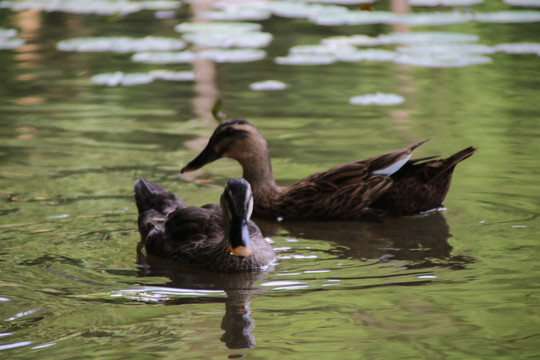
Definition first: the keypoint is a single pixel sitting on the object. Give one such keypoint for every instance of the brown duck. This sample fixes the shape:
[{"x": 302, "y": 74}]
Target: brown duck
[
  {"x": 388, "y": 183},
  {"x": 211, "y": 237}
]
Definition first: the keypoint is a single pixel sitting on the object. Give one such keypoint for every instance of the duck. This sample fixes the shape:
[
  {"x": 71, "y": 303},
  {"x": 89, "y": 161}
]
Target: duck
[
  {"x": 387, "y": 184},
  {"x": 219, "y": 238}
]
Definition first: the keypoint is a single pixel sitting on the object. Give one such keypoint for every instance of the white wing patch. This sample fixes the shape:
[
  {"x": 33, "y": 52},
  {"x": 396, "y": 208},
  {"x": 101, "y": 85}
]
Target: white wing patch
[{"x": 392, "y": 168}]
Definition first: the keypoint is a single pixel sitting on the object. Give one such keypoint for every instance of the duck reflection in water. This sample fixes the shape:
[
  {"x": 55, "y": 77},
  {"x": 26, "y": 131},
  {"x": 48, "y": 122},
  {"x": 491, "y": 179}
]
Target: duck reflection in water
[
  {"x": 422, "y": 240},
  {"x": 237, "y": 322},
  {"x": 210, "y": 248}
]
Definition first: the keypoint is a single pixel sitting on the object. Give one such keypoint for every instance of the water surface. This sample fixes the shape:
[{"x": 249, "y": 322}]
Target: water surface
[{"x": 457, "y": 284}]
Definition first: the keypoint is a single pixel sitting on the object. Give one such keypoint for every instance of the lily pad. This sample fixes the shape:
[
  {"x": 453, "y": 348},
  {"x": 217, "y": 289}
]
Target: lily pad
[
  {"x": 508, "y": 17},
  {"x": 341, "y": 2},
  {"x": 367, "y": 55},
  {"x": 8, "y": 33},
  {"x": 377, "y": 99},
  {"x": 356, "y": 40},
  {"x": 121, "y": 44},
  {"x": 353, "y": 18},
  {"x": 445, "y": 60},
  {"x": 525, "y": 3},
  {"x": 120, "y": 78},
  {"x": 8, "y": 39},
  {"x": 322, "y": 49},
  {"x": 10, "y": 43},
  {"x": 217, "y": 27},
  {"x": 164, "y": 57},
  {"x": 232, "y": 55},
  {"x": 236, "y": 13},
  {"x": 226, "y": 40},
  {"x": 302, "y": 10},
  {"x": 98, "y": 7},
  {"x": 268, "y": 85},
  {"x": 444, "y": 2},
  {"x": 173, "y": 75},
  {"x": 427, "y": 37},
  {"x": 455, "y": 48},
  {"x": 519, "y": 48},
  {"x": 306, "y": 59}
]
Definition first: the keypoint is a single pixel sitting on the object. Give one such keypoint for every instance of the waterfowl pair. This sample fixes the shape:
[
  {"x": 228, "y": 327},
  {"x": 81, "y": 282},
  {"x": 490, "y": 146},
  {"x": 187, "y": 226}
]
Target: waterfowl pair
[
  {"x": 388, "y": 183},
  {"x": 210, "y": 237}
]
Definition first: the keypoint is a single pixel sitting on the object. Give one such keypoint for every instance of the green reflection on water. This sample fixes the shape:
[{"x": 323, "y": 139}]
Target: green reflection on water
[{"x": 70, "y": 152}]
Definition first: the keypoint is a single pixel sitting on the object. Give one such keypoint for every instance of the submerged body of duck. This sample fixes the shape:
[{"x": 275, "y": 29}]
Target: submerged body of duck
[
  {"x": 389, "y": 183},
  {"x": 210, "y": 237}
]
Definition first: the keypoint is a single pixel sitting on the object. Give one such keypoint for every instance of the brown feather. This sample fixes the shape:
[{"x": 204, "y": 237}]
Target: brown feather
[
  {"x": 345, "y": 191},
  {"x": 193, "y": 235}
]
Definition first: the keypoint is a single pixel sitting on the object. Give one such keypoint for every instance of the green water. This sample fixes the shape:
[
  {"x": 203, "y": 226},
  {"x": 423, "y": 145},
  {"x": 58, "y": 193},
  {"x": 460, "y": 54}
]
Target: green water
[{"x": 461, "y": 284}]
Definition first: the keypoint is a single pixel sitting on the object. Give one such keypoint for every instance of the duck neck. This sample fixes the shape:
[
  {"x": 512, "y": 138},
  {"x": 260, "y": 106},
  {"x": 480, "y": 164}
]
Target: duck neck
[{"x": 257, "y": 170}]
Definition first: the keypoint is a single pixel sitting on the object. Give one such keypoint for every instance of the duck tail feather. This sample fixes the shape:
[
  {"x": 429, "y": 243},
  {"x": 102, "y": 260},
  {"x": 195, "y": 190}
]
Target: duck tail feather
[
  {"x": 452, "y": 161},
  {"x": 149, "y": 195}
]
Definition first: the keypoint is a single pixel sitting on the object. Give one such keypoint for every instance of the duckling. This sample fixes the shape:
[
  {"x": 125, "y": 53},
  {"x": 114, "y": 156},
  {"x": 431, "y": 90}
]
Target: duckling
[
  {"x": 348, "y": 191},
  {"x": 213, "y": 237}
]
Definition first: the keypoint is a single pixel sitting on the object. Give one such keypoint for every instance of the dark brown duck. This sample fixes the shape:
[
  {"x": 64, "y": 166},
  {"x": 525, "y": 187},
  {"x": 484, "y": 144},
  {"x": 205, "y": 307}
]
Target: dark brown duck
[
  {"x": 213, "y": 237},
  {"x": 388, "y": 183}
]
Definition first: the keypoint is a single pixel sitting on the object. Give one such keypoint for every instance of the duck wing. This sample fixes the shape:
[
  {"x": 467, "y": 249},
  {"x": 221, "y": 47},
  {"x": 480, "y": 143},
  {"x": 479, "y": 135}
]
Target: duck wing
[
  {"x": 421, "y": 184},
  {"x": 345, "y": 191}
]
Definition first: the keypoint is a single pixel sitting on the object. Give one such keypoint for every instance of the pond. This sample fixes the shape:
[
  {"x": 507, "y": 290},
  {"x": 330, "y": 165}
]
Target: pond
[{"x": 95, "y": 96}]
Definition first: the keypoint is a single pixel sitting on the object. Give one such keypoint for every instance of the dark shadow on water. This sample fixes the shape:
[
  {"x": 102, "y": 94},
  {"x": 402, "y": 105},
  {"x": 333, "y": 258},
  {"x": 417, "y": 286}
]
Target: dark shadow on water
[
  {"x": 422, "y": 240},
  {"x": 237, "y": 322}
]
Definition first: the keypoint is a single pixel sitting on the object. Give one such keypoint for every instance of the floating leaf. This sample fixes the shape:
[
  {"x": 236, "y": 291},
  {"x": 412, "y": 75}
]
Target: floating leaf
[
  {"x": 228, "y": 40},
  {"x": 164, "y": 57},
  {"x": 508, "y": 17},
  {"x": 9, "y": 43},
  {"x": 322, "y": 49},
  {"x": 236, "y": 13},
  {"x": 341, "y": 2},
  {"x": 232, "y": 55},
  {"x": 357, "y": 40},
  {"x": 519, "y": 48},
  {"x": 527, "y": 3},
  {"x": 8, "y": 33},
  {"x": 445, "y": 60},
  {"x": 121, "y": 44},
  {"x": 120, "y": 78},
  {"x": 268, "y": 85},
  {"x": 173, "y": 75},
  {"x": 444, "y": 2},
  {"x": 435, "y": 48},
  {"x": 367, "y": 55},
  {"x": 8, "y": 40},
  {"x": 353, "y": 18},
  {"x": 217, "y": 27},
  {"x": 306, "y": 59},
  {"x": 377, "y": 99},
  {"x": 98, "y": 7},
  {"x": 300, "y": 10},
  {"x": 427, "y": 37}
]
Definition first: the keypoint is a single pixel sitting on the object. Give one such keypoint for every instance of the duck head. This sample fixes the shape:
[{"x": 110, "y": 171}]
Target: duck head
[
  {"x": 237, "y": 205},
  {"x": 236, "y": 139}
]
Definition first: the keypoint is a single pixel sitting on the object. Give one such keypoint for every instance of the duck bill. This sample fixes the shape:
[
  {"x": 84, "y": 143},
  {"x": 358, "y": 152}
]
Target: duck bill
[
  {"x": 239, "y": 239},
  {"x": 205, "y": 157}
]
